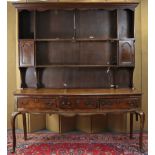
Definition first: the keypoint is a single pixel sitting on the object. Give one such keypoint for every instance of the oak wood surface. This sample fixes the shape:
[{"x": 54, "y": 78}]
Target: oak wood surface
[
  {"x": 42, "y": 91},
  {"x": 43, "y": 5}
]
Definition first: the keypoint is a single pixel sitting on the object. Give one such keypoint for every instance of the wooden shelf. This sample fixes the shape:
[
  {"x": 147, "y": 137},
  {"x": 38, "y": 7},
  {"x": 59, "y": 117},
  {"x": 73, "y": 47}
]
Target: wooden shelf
[
  {"x": 97, "y": 39},
  {"x": 78, "y": 40},
  {"x": 91, "y": 66},
  {"x": 55, "y": 39},
  {"x": 124, "y": 39},
  {"x": 76, "y": 66}
]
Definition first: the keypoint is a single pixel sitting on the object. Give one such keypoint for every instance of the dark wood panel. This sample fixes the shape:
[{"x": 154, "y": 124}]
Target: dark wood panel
[
  {"x": 124, "y": 77},
  {"x": 126, "y": 23},
  {"x": 88, "y": 53},
  {"x": 98, "y": 53},
  {"x": 85, "y": 4},
  {"x": 80, "y": 77},
  {"x": 37, "y": 103},
  {"x": 88, "y": 78},
  {"x": 49, "y": 53},
  {"x": 26, "y": 24},
  {"x": 83, "y": 103},
  {"x": 26, "y": 52},
  {"x": 70, "y": 78},
  {"x": 96, "y": 24},
  {"x": 120, "y": 103},
  {"x": 55, "y": 24},
  {"x": 126, "y": 53},
  {"x": 53, "y": 78},
  {"x": 78, "y": 103}
]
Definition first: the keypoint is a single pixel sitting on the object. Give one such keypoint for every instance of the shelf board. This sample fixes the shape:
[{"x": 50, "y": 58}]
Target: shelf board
[
  {"x": 76, "y": 66},
  {"x": 39, "y": 66},
  {"x": 27, "y": 39},
  {"x": 124, "y": 39},
  {"x": 79, "y": 40},
  {"x": 55, "y": 39},
  {"x": 97, "y": 39}
]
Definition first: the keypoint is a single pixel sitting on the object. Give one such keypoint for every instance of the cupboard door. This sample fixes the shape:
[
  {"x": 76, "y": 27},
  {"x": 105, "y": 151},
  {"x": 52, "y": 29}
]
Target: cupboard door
[
  {"x": 26, "y": 52},
  {"x": 126, "y": 53}
]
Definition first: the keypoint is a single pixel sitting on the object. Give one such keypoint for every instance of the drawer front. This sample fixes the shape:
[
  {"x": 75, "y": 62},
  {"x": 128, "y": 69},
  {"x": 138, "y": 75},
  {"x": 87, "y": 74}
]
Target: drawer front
[
  {"x": 86, "y": 103},
  {"x": 37, "y": 103},
  {"x": 66, "y": 103},
  {"x": 78, "y": 103},
  {"x": 122, "y": 103}
]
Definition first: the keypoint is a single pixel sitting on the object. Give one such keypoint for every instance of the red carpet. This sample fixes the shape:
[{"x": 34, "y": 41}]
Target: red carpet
[{"x": 46, "y": 143}]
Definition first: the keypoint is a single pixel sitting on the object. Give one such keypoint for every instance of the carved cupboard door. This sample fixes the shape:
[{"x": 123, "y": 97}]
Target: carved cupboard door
[
  {"x": 26, "y": 53},
  {"x": 126, "y": 53}
]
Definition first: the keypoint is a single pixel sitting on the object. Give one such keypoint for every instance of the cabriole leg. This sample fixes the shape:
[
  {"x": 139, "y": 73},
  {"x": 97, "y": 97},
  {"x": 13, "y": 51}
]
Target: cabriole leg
[
  {"x": 13, "y": 120},
  {"x": 142, "y": 120}
]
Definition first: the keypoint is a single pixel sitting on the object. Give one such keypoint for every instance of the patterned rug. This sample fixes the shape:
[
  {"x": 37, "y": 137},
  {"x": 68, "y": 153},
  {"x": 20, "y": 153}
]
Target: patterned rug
[{"x": 47, "y": 143}]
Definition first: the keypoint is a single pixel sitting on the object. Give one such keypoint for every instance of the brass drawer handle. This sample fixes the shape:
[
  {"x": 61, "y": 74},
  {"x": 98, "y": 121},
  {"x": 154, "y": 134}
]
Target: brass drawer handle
[
  {"x": 49, "y": 104},
  {"x": 66, "y": 103}
]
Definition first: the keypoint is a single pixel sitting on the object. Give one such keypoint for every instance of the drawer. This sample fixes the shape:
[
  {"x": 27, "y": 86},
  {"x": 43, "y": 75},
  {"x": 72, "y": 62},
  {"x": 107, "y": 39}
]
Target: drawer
[
  {"x": 86, "y": 103},
  {"x": 78, "y": 103},
  {"x": 66, "y": 103},
  {"x": 121, "y": 103},
  {"x": 37, "y": 103}
]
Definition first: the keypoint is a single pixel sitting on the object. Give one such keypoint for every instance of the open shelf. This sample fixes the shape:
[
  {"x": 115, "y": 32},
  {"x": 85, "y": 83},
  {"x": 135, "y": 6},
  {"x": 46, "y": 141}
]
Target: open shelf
[
  {"x": 48, "y": 53},
  {"x": 55, "y": 24},
  {"x": 26, "y": 24},
  {"x": 96, "y": 24},
  {"x": 79, "y": 77},
  {"x": 76, "y": 25},
  {"x": 88, "y": 53},
  {"x": 126, "y": 23}
]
